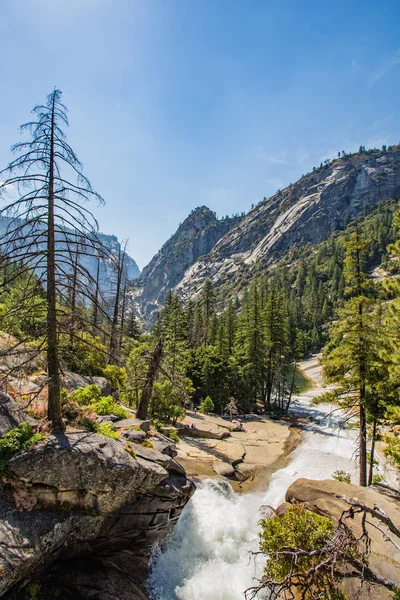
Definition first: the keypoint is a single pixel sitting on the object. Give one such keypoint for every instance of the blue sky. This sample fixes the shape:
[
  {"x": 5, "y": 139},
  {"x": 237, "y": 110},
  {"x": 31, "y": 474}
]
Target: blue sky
[{"x": 178, "y": 103}]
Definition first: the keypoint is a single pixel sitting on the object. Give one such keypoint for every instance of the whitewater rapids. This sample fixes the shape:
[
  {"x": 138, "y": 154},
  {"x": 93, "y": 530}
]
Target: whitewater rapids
[{"x": 207, "y": 556}]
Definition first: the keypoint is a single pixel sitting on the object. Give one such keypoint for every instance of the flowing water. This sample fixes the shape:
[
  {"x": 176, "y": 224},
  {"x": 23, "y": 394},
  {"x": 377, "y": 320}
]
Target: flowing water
[{"x": 207, "y": 557}]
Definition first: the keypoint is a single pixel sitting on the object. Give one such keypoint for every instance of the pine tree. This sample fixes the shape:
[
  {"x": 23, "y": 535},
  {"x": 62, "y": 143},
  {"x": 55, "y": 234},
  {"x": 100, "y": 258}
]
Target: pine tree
[{"x": 348, "y": 358}]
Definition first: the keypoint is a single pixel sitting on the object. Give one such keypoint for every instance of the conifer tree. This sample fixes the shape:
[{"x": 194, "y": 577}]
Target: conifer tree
[{"x": 348, "y": 358}]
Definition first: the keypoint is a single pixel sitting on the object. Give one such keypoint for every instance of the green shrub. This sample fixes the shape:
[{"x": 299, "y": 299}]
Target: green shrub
[
  {"x": 87, "y": 395},
  {"x": 206, "y": 406},
  {"x": 392, "y": 451},
  {"x": 341, "y": 475},
  {"x": 173, "y": 435},
  {"x": 157, "y": 425},
  {"x": 393, "y": 413},
  {"x": 87, "y": 356},
  {"x": 377, "y": 478},
  {"x": 147, "y": 444},
  {"x": 88, "y": 421},
  {"x": 101, "y": 405},
  {"x": 115, "y": 375},
  {"x": 17, "y": 439},
  {"x": 107, "y": 430},
  {"x": 298, "y": 528},
  {"x": 107, "y": 406}
]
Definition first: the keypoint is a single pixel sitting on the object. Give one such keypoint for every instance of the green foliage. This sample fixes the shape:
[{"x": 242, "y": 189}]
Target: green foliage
[
  {"x": 107, "y": 430},
  {"x": 392, "y": 451},
  {"x": 157, "y": 425},
  {"x": 392, "y": 413},
  {"x": 298, "y": 528},
  {"x": 206, "y": 406},
  {"x": 17, "y": 439},
  {"x": 115, "y": 375},
  {"x": 136, "y": 369},
  {"x": 166, "y": 402},
  {"x": 101, "y": 405},
  {"x": 87, "y": 395},
  {"x": 377, "y": 478},
  {"x": 147, "y": 444},
  {"x": 85, "y": 355},
  {"x": 173, "y": 435},
  {"x": 33, "y": 590},
  {"x": 341, "y": 475},
  {"x": 107, "y": 406}
]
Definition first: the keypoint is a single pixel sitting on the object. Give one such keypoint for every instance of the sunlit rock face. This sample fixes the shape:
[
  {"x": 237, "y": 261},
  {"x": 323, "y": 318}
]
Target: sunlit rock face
[
  {"x": 195, "y": 237},
  {"x": 305, "y": 212}
]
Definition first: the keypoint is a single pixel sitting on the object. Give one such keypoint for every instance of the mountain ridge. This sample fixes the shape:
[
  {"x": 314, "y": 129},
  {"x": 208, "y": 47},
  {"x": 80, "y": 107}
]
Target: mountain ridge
[{"x": 305, "y": 212}]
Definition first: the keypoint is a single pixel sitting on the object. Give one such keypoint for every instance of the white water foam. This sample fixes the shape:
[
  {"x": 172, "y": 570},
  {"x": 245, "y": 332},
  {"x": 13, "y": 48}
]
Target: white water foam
[{"x": 207, "y": 557}]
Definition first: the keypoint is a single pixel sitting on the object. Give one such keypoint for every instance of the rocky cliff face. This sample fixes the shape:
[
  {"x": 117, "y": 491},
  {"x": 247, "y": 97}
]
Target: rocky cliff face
[
  {"x": 195, "y": 237},
  {"x": 89, "y": 262},
  {"x": 306, "y": 212},
  {"x": 80, "y": 513}
]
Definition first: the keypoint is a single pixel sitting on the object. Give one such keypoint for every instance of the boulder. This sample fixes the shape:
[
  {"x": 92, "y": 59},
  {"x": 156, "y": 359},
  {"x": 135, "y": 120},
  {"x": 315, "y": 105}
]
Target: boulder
[
  {"x": 61, "y": 469},
  {"x": 322, "y": 498},
  {"x": 73, "y": 381},
  {"x": 103, "y": 384},
  {"x": 107, "y": 419},
  {"x": 282, "y": 509},
  {"x": 132, "y": 435},
  {"x": 224, "y": 469},
  {"x": 97, "y": 512},
  {"x": 11, "y": 414},
  {"x": 132, "y": 422},
  {"x": 163, "y": 444}
]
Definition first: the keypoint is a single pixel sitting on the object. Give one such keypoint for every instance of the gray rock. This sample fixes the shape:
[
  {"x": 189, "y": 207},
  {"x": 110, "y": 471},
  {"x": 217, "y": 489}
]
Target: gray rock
[
  {"x": 107, "y": 419},
  {"x": 118, "y": 507},
  {"x": 11, "y": 414},
  {"x": 132, "y": 422},
  {"x": 67, "y": 464},
  {"x": 73, "y": 381},
  {"x": 195, "y": 237},
  {"x": 103, "y": 384},
  {"x": 163, "y": 444},
  {"x": 132, "y": 435}
]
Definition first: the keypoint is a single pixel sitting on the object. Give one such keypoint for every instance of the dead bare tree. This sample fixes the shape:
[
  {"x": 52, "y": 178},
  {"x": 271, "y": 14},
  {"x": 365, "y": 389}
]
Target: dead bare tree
[
  {"x": 121, "y": 277},
  {"x": 49, "y": 223},
  {"x": 154, "y": 366}
]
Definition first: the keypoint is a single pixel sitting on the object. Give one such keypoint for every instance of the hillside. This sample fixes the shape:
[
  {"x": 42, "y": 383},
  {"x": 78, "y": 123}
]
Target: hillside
[
  {"x": 308, "y": 211},
  {"x": 90, "y": 262},
  {"x": 194, "y": 238}
]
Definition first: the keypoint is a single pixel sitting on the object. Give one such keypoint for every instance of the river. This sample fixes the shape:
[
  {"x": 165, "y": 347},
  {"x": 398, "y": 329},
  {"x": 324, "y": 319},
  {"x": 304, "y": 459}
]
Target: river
[{"x": 207, "y": 556}]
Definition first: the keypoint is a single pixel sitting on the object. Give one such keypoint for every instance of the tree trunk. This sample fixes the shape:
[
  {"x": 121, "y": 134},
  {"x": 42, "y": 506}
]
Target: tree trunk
[
  {"x": 363, "y": 445},
  {"x": 291, "y": 387},
  {"x": 96, "y": 299},
  {"x": 371, "y": 461},
  {"x": 155, "y": 360},
  {"x": 53, "y": 368},
  {"x": 113, "y": 351},
  {"x": 123, "y": 310},
  {"x": 73, "y": 302}
]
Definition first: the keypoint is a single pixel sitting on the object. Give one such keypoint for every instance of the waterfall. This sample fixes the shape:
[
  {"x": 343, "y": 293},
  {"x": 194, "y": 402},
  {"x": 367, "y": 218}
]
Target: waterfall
[{"x": 208, "y": 555}]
